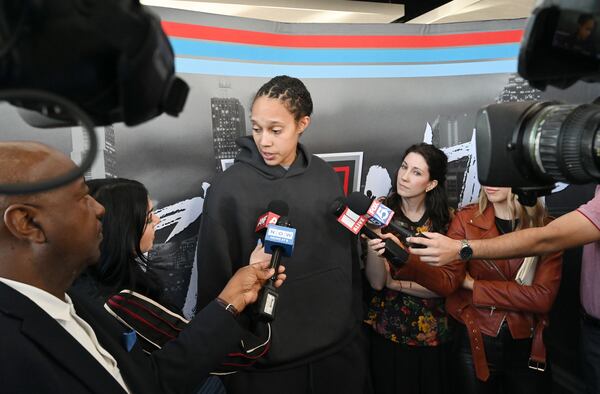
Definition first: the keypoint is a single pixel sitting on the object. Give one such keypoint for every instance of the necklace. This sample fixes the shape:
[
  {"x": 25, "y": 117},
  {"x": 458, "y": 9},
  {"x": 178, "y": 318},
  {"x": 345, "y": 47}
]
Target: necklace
[{"x": 505, "y": 226}]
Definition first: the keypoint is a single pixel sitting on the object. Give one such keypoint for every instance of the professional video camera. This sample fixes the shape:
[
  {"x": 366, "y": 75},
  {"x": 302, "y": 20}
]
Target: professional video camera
[
  {"x": 531, "y": 145},
  {"x": 89, "y": 63}
]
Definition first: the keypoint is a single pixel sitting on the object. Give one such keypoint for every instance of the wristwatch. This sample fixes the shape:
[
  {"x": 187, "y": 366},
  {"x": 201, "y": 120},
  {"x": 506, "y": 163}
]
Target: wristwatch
[{"x": 466, "y": 252}]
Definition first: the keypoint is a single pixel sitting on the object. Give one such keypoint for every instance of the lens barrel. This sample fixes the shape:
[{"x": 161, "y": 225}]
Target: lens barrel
[{"x": 561, "y": 141}]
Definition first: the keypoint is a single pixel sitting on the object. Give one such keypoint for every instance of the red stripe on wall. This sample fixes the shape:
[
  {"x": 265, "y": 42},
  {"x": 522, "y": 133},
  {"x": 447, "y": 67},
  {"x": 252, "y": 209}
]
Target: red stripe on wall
[
  {"x": 345, "y": 170},
  {"x": 185, "y": 30}
]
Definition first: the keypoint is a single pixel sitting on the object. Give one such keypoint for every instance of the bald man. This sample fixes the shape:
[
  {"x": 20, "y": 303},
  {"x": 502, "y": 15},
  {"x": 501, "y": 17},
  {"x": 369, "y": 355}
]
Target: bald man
[{"x": 54, "y": 342}]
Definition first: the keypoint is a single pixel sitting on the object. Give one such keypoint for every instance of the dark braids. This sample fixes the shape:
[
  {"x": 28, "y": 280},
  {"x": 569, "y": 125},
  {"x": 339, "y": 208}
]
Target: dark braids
[{"x": 291, "y": 91}]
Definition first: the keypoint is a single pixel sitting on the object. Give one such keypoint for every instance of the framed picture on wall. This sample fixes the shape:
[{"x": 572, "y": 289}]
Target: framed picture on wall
[{"x": 348, "y": 166}]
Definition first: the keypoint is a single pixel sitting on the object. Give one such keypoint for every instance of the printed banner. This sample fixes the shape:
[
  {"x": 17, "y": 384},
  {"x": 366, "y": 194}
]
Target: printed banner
[{"x": 377, "y": 89}]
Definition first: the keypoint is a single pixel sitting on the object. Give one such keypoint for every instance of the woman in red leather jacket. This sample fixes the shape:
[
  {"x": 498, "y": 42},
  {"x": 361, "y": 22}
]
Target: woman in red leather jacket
[{"x": 499, "y": 338}]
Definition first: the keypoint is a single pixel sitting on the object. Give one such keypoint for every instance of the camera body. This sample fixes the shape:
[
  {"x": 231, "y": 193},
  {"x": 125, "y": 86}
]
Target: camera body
[
  {"x": 531, "y": 145},
  {"x": 85, "y": 63},
  {"x": 561, "y": 44},
  {"x": 110, "y": 57}
]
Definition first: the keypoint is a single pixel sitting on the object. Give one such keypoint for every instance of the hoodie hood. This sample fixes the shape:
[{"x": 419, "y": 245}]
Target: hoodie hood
[{"x": 250, "y": 155}]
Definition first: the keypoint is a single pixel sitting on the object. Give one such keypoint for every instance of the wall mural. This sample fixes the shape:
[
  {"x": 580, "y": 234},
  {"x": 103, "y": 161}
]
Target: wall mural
[{"x": 377, "y": 89}]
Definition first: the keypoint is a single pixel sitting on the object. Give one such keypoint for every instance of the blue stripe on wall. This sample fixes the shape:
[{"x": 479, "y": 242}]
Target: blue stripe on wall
[
  {"x": 212, "y": 67},
  {"x": 208, "y": 49}
]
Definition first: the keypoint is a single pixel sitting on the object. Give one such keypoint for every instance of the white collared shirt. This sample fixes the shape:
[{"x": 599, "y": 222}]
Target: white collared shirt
[{"x": 64, "y": 313}]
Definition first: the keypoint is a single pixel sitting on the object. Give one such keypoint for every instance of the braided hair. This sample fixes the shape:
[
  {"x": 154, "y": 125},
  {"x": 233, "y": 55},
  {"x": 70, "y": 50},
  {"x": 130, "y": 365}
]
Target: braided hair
[{"x": 291, "y": 91}]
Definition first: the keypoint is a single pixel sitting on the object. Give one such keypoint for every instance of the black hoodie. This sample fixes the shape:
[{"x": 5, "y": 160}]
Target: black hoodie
[{"x": 319, "y": 304}]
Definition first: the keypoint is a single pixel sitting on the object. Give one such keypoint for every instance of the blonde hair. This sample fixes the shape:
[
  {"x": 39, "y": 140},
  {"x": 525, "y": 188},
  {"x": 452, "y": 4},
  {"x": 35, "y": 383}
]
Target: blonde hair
[{"x": 528, "y": 216}]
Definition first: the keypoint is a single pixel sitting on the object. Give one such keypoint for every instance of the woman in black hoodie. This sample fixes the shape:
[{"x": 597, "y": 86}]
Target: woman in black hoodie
[{"x": 316, "y": 343}]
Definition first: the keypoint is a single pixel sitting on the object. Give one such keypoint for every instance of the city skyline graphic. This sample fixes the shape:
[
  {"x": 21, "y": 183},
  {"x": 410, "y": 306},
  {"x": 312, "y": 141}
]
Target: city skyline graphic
[
  {"x": 228, "y": 124},
  {"x": 105, "y": 164}
]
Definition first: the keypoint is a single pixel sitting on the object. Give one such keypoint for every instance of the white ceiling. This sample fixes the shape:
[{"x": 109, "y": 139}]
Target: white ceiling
[
  {"x": 477, "y": 10},
  {"x": 299, "y": 11},
  {"x": 343, "y": 11}
]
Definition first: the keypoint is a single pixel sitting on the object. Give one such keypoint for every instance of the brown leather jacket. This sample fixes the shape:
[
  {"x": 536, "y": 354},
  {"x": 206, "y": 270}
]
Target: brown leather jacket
[{"x": 496, "y": 296}]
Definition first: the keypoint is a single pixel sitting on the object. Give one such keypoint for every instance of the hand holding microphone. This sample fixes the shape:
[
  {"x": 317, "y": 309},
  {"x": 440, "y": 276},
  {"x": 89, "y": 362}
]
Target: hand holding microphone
[
  {"x": 355, "y": 222},
  {"x": 378, "y": 245},
  {"x": 244, "y": 286},
  {"x": 258, "y": 254},
  {"x": 276, "y": 214},
  {"x": 278, "y": 241},
  {"x": 380, "y": 216}
]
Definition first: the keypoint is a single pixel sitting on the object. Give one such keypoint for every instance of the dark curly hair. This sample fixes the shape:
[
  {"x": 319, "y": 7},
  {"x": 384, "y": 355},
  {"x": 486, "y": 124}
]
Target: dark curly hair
[
  {"x": 291, "y": 91},
  {"x": 436, "y": 200}
]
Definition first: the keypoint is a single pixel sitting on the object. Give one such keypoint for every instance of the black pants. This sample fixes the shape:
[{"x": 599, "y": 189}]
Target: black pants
[
  {"x": 402, "y": 369},
  {"x": 507, "y": 360},
  {"x": 343, "y": 372}
]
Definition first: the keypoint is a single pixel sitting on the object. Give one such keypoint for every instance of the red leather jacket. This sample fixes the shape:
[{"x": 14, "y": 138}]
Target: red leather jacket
[{"x": 496, "y": 296}]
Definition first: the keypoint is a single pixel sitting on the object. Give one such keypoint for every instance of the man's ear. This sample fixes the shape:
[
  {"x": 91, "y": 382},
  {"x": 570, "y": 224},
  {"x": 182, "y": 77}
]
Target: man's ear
[{"x": 20, "y": 220}]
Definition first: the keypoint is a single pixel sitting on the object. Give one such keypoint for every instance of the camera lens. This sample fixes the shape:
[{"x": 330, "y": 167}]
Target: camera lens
[{"x": 562, "y": 142}]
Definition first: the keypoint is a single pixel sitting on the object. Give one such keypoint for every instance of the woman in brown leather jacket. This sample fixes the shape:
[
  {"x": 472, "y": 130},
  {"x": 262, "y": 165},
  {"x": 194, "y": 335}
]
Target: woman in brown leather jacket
[
  {"x": 501, "y": 320},
  {"x": 501, "y": 345}
]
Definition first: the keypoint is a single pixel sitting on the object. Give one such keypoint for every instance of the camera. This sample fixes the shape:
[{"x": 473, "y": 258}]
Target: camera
[
  {"x": 88, "y": 63},
  {"x": 531, "y": 145},
  {"x": 111, "y": 57}
]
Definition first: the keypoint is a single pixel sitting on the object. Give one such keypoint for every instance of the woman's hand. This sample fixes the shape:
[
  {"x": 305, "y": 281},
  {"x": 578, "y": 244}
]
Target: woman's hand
[
  {"x": 468, "y": 282},
  {"x": 393, "y": 238},
  {"x": 258, "y": 254},
  {"x": 375, "y": 246}
]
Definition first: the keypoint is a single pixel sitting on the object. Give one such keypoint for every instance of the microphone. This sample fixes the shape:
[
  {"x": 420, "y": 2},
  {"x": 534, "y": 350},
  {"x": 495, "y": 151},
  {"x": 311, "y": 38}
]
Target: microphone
[
  {"x": 356, "y": 223},
  {"x": 346, "y": 217},
  {"x": 380, "y": 215},
  {"x": 279, "y": 241},
  {"x": 275, "y": 210}
]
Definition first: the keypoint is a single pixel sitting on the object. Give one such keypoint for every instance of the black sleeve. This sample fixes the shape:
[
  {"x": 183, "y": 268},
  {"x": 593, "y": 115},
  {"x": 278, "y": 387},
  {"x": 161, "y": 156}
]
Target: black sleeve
[
  {"x": 184, "y": 363},
  {"x": 214, "y": 259}
]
